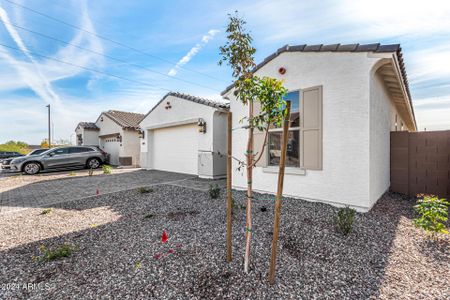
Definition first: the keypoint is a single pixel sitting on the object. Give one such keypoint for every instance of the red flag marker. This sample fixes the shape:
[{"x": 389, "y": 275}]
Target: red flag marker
[{"x": 164, "y": 237}]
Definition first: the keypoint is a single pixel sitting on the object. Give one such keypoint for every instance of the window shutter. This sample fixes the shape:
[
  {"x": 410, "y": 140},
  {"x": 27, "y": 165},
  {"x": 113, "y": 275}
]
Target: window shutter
[
  {"x": 258, "y": 141},
  {"x": 311, "y": 129}
]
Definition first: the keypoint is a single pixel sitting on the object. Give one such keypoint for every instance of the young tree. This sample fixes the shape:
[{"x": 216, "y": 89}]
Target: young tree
[{"x": 267, "y": 93}]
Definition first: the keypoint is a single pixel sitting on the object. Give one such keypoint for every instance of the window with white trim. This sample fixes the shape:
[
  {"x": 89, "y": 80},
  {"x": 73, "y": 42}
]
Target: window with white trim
[{"x": 275, "y": 136}]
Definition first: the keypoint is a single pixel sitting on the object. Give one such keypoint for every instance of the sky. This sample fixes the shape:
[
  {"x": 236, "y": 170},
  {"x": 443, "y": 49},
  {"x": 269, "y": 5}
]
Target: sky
[{"x": 93, "y": 56}]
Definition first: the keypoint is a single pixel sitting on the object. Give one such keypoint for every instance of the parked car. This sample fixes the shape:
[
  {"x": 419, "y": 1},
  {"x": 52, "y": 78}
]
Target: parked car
[
  {"x": 60, "y": 158},
  {"x": 6, "y": 163},
  {"x": 8, "y": 154}
]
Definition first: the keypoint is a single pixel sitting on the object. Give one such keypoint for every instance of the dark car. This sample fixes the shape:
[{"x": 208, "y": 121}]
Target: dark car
[
  {"x": 60, "y": 158},
  {"x": 8, "y": 154},
  {"x": 6, "y": 163}
]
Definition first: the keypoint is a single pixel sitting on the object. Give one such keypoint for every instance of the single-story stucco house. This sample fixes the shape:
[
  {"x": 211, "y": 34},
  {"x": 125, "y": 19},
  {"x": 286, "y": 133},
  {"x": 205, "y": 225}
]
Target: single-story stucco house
[
  {"x": 87, "y": 134},
  {"x": 346, "y": 99},
  {"x": 185, "y": 134},
  {"x": 115, "y": 132}
]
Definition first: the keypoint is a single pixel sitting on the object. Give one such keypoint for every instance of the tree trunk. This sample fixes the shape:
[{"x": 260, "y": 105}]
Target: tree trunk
[
  {"x": 229, "y": 187},
  {"x": 248, "y": 223}
]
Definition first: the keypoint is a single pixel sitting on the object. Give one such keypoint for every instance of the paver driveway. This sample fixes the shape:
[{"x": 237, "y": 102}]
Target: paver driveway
[{"x": 21, "y": 192}]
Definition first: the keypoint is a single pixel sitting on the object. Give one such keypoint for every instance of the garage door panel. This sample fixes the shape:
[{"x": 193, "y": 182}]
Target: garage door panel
[
  {"x": 175, "y": 149},
  {"x": 111, "y": 146}
]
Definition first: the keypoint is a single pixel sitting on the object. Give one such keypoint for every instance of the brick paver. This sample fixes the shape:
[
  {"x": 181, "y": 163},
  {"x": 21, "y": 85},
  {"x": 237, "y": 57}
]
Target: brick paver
[{"x": 40, "y": 192}]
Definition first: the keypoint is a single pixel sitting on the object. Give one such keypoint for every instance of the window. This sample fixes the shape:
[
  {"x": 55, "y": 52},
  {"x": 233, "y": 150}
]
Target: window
[
  {"x": 60, "y": 151},
  {"x": 79, "y": 150},
  {"x": 275, "y": 136}
]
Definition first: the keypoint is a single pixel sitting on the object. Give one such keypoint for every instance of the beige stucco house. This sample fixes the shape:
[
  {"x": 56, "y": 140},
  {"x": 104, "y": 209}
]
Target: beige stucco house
[
  {"x": 115, "y": 132},
  {"x": 185, "y": 134},
  {"x": 346, "y": 99}
]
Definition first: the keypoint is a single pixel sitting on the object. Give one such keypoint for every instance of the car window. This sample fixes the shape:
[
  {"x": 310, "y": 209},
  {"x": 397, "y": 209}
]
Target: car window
[
  {"x": 80, "y": 150},
  {"x": 60, "y": 151},
  {"x": 39, "y": 151}
]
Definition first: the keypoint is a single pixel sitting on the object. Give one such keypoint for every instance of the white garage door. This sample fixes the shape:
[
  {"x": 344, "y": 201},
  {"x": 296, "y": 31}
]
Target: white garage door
[
  {"x": 111, "y": 146},
  {"x": 175, "y": 149}
]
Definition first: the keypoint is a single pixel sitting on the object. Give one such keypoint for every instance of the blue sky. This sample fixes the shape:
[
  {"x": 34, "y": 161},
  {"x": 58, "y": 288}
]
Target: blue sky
[{"x": 181, "y": 41}]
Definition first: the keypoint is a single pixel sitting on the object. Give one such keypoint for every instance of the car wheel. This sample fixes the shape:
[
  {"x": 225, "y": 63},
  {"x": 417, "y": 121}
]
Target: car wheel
[
  {"x": 93, "y": 163},
  {"x": 31, "y": 168}
]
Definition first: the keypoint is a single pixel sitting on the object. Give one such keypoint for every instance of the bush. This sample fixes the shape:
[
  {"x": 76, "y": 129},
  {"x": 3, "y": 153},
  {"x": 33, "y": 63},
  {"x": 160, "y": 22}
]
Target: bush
[
  {"x": 107, "y": 169},
  {"x": 60, "y": 252},
  {"x": 144, "y": 190},
  {"x": 214, "y": 191},
  {"x": 46, "y": 211},
  {"x": 433, "y": 214},
  {"x": 344, "y": 220}
]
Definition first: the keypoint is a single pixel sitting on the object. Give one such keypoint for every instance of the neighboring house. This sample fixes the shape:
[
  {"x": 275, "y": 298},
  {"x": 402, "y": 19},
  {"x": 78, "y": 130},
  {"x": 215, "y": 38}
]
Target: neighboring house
[
  {"x": 115, "y": 132},
  {"x": 87, "y": 134},
  {"x": 185, "y": 134},
  {"x": 345, "y": 101}
]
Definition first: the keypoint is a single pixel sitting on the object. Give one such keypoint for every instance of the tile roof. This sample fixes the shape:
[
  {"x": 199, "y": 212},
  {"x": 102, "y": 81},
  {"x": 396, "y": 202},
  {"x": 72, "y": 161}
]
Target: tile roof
[
  {"x": 377, "y": 47},
  {"x": 212, "y": 103},
  {"x": 125, "y": 119},
  {"x": 88, "y": 125}
]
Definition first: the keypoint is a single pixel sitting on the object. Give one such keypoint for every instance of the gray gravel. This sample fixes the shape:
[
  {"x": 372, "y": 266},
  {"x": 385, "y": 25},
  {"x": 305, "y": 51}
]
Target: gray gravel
[{"x": 120, "y": 254}]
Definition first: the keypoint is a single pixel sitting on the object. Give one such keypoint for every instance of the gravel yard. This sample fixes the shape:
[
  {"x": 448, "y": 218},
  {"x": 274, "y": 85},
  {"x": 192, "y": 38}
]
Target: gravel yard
[{"x": 119, "y": 254}]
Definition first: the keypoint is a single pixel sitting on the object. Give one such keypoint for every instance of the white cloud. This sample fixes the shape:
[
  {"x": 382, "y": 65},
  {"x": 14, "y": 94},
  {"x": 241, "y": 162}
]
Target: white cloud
[
  {"x": 433, "y": 113},
  {"x": 429, "y": 64},
  {"x": 346, "y": 20},
  {"x": 51, "y": 70},
  {"x": 194, "y": 50},
  {"x": 40, "y": 83}
]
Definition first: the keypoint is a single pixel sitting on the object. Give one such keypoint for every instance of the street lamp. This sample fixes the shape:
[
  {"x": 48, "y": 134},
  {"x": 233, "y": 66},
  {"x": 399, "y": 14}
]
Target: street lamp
[{"x": 49, "y": 136}]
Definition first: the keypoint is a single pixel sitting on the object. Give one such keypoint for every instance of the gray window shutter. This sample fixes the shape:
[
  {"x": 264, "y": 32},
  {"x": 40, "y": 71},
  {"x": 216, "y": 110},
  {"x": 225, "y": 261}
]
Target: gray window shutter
[{"x": 311, "y": 129}]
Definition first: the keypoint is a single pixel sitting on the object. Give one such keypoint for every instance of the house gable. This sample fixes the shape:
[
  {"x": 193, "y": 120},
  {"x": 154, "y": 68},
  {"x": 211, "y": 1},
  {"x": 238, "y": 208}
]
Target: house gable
[{"x": 176, "y": 108}]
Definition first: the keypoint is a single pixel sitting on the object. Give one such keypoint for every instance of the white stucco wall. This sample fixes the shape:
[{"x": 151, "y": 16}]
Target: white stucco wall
[
  {"x": 185, "y": 112},
  {"x": 131, "y": 145},
  {"x": 383, "y": 116},
  {"x": 90, "y": 137},
  {"x": 345, "y": 78},
  {"x": 107, "y": 126}
]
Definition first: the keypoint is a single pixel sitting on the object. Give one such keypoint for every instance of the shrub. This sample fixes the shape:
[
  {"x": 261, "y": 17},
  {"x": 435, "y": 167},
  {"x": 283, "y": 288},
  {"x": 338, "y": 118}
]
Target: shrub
[
  {"x": 433, "y": 213},
  {"x": 344, "y": 220},
  {"x": 148, "y": 216},
  {"x": 59, "y": 252},
  {"x": 107, "y": 169},
  {"x": 144, "y": 190},
  {"x": 214, "y": 191},
  {"x": 46, "y": 211}
]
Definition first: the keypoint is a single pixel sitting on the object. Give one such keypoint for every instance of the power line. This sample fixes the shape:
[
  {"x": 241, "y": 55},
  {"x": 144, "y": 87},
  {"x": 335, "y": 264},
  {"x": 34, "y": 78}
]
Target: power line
[
  {"x": 108, "y": 56},
  {"x": 85, "y": 68},
  {"x": 109, "y": 40}
]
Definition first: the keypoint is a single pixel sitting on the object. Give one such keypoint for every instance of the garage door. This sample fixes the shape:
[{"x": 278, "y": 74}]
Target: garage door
[
  {"x": 175, "y": 149},
  {"x": 111, "y": 146}
]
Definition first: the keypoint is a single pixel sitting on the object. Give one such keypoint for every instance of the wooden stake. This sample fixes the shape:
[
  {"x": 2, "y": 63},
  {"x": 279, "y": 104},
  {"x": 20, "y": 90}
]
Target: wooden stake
[
  {"x": 248, "y": 223},
  {"x": 276, "y": 221},
  {"x": 229, "y": 186}
]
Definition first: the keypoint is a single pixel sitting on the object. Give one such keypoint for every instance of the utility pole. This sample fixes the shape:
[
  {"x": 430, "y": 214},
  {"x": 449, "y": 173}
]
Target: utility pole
[{"x": 49, "y": 131}]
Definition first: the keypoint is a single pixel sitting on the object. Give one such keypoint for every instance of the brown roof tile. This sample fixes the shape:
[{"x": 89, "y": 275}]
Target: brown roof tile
[{"x": 125, "y": 119}]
